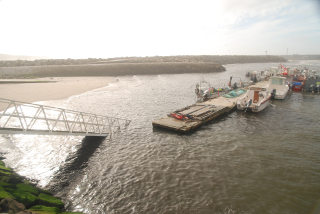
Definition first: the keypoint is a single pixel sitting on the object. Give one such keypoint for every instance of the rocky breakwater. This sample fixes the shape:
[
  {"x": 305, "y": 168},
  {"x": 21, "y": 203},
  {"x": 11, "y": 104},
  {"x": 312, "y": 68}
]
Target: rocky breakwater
[
  {"x": 110, "y": 69},
  {"x": 125, "y": 65},
  {"x": 17, "y": 195}
]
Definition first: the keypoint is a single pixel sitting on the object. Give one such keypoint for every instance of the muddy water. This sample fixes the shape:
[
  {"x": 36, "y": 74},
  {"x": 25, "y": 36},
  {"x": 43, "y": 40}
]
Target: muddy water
[{"x": 241, "y": 163}]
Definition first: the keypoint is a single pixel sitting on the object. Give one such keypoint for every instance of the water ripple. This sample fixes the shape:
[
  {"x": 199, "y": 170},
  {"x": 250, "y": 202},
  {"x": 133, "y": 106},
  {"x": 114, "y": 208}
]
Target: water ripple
[{"x": 242, "y": 163}]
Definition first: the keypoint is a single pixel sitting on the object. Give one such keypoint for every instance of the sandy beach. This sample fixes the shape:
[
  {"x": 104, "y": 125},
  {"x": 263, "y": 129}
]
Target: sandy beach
[{"x": 63, "y": 87}]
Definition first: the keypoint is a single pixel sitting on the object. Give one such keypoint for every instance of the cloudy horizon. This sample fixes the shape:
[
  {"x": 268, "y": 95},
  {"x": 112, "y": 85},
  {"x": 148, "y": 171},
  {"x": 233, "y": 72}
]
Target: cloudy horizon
[{"x": 103, "y": 29}]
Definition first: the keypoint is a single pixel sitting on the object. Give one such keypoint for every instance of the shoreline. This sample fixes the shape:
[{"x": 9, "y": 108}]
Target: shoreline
[
  {"x": 57, "y": 88},
  {"x": 54, "y": 82}
]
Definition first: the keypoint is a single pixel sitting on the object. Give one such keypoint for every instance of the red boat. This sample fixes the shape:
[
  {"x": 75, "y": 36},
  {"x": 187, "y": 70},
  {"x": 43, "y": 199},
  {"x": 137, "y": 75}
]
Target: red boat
[
  {"x": 296, "y": 86},
  {"x": 298, "y": 83}
]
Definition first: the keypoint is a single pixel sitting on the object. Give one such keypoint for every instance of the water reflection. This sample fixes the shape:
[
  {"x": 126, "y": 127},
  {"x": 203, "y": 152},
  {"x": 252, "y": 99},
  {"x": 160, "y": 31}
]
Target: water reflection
[
  {"x": 75, "y": 163},
  {"x": 241, "y": 163}
]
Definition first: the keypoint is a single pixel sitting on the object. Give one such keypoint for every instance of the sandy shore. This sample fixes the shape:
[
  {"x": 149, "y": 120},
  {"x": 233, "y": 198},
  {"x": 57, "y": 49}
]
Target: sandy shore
[{"x": 64, "y": 87}]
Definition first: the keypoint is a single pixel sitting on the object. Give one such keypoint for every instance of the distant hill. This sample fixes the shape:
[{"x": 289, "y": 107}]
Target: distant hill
[{"x": 21, "y": 57}]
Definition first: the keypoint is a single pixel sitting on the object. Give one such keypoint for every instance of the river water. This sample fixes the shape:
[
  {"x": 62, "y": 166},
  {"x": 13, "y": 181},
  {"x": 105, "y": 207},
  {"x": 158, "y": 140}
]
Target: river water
[{"x": 265, "y": 162}]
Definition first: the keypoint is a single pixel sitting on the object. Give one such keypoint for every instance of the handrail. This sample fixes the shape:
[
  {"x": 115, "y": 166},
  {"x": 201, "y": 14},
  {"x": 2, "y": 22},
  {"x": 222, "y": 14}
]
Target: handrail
[{"x": 41, "y": 119}]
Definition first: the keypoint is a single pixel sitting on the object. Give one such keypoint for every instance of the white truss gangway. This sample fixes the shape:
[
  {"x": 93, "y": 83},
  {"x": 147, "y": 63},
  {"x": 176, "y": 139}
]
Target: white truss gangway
[{"x": 26, "y": 118}]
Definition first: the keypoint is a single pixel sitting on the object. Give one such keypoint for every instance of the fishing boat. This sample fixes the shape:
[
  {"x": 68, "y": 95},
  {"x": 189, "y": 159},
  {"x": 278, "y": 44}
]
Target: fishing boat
[
  {"x": 235, "y": 82},
  {"x": 255, "y": 76},
  {"x": 298, "y": 82},
  {"x": 256, "y": 99},
  {"x": 205, "y": 91},
  {"x": 315, "y": 88},
  {"x": 281, "y": 70},
  {"x": 278, "y": 87}
]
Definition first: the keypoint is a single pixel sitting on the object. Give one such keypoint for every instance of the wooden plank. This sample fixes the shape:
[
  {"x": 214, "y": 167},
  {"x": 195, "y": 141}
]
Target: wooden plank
[
  {"x": 202, "y": 111},
  {"x": 201, "y": 116},
  {"x": 192, "y": 109},
  {"x": 177, "y": 125},
  {"x": 185, "y": 126}
]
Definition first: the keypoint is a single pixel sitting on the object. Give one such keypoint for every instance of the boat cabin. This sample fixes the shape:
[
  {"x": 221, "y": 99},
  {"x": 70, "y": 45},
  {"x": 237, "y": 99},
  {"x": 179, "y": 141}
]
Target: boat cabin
[
  {"x": 257, "y": 94},
  {"x": 277, "y": 82}
]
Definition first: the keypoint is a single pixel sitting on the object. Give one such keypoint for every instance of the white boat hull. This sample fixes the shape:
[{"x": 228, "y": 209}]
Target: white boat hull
[
  {"x": 242, "y": 104},
  {"x": 280, "y": 96},
  {"x": 256, "y": 99},
  {"x": 278, "y": 87},
  {"x": 253, "y": 107}
]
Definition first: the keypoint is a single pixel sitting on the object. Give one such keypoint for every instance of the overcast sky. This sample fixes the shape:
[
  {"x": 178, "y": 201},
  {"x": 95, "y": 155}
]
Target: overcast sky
[{"x": 115, "y": 28}]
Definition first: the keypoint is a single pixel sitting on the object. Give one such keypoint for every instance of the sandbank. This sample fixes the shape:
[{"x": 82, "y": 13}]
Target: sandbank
[{"x": 63, "y": 87}]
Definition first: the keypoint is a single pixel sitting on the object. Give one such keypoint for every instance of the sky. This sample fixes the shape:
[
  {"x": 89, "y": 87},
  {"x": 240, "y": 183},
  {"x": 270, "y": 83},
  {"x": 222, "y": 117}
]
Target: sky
[{"x": 122, "y": 28}]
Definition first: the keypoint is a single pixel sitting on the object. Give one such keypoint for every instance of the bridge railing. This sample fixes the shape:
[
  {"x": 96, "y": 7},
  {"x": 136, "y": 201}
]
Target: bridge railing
[{"x": 27, "y": 118}]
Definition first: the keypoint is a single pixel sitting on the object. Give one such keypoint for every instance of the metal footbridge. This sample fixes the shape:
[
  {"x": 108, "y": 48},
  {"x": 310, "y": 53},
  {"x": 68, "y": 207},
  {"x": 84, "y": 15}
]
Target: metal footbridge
[{"x": 26, "y": 118}]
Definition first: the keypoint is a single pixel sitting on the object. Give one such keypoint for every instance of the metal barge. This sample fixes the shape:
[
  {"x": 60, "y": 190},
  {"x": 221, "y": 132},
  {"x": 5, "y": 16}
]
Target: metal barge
[{"x": 200, "y": 114}]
